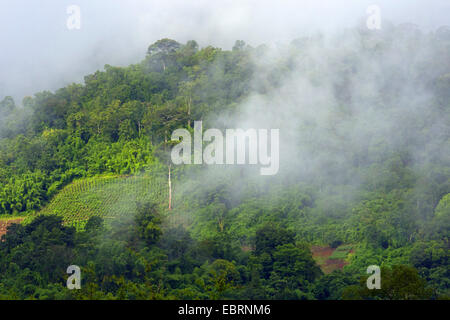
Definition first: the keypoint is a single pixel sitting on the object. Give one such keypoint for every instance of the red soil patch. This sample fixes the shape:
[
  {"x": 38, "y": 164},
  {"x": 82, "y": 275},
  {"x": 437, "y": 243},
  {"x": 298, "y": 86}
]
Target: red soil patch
[
  {"x": 335, "y": 264},
  {"x": 5, "y": 223},
  {"x": 322, "y": 254},
  {"x": 322, "y": 251}
]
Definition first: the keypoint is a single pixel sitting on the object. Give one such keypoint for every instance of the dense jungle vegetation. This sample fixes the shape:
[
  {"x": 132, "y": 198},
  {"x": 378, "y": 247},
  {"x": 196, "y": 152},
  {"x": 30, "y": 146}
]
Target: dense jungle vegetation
[{"x": 231, "y": 233}]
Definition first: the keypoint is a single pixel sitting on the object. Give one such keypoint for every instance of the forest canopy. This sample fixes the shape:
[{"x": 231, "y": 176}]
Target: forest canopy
[{"x": 364, "y": 170}]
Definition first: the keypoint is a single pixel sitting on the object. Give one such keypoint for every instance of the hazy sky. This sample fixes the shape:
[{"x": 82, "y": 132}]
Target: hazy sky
[{"x": 39, "y": 52}]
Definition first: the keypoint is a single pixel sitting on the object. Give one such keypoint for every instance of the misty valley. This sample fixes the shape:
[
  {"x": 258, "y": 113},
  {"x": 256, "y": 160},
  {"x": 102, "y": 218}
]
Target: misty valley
[{"x": 112, "y": 176}]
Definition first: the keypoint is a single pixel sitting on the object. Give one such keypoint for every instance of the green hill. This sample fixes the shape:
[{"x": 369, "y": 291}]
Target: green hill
[
  {"x": 363, "y": 161},
  {"x": 107, "y": 197}
]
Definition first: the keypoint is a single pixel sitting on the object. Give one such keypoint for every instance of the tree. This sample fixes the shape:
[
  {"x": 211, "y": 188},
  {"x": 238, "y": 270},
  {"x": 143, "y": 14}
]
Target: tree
[
  {"x": 148, "y": 223},
  {"x": 397, "y": 283},
  {"x": 295, "y": 265},
  {"x": 439, "y": 227},
  {"x": 7, "y": 105},
  {"x": 161, "y": 53},
  {"x": 271, "y": 236},
  {"x": 224, "y": 276},
  {"x": 239, "y": 45},
  {"x": 331, "y": 286},
  {"x": 443, "y": 207},
  {"x": 163, "y": 46}
]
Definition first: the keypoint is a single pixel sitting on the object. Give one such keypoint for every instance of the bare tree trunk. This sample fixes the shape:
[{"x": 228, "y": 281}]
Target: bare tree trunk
[
  {"x": 170, "y": 190},
  {"x": 189, "y": 111},
  {"x": 139, "y": 128}
]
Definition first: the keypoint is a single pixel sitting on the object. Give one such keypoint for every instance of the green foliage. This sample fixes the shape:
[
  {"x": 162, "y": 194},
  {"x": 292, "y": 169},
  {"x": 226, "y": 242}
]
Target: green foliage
[
  {"x": 341, "y": 252},
  {"x": 443, "y": 208},
  {"x": 148, "y": 223},
  {"x": 331, "y": 286},
  {"x": 108, "y": 197},
  {"x": 397, "y": 283},
  {"x": 86, "y": 166},
  {"x": 270, "y": 237}
]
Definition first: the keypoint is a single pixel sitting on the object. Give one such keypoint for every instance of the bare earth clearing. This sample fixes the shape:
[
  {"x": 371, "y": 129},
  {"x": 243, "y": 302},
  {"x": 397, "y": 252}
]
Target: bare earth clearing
[
  {"x": 322, "y": 256},
  {"x": 5, "y": 223}
]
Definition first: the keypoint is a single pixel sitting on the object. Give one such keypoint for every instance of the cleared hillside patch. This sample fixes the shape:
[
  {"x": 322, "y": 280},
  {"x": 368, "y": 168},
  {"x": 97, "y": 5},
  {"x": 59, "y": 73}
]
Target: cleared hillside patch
[
  {"x": 330, "y": 259},
  {"x": 107, "y": 197}
]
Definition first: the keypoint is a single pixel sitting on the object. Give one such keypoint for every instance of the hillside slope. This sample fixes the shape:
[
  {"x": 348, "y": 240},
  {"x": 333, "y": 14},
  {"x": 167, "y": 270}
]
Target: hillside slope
[{"x": 107, "y": 197}]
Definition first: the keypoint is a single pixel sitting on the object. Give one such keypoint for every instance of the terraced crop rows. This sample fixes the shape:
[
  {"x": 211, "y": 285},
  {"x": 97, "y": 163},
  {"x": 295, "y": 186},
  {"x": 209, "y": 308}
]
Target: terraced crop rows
[{"x": 106, "y": 197}]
